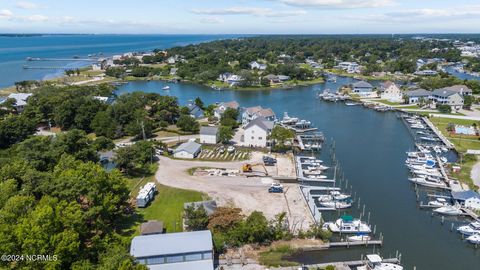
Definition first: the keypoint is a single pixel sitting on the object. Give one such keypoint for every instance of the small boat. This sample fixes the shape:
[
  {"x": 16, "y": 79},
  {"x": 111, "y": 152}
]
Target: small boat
[
  {"x": 427, "y": 172},
  {"x": 470, "y": 229},
  {"x": 346, "y": 224},
  {"x": 336, "y": 204},
  {"x": 351, "y": 103},
  {"x": 430, "y": 139},
  {"x": 375, "y": 262},
  {"x": 439, "y": 202},
  {"x": 166, "y": 87},
  {"x": 317, "y": 177},
  {"x": 448, "y": 211},
  {"x": 428, "y": 182},
  {"x": 287, "y": 120},
  {"x": 474, "y": 239},
  {"x": 359, "y": 238}
]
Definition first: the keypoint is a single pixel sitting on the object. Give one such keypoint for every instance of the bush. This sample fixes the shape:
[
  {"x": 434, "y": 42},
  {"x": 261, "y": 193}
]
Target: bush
[{"x": 444, "y": 108}]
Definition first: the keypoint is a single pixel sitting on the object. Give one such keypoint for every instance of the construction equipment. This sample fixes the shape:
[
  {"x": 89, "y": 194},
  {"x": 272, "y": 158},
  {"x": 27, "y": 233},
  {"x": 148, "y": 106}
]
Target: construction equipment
[{"x": 248, "y": 168}]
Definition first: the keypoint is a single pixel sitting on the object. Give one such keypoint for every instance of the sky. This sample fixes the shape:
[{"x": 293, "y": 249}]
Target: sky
[{"x": 240, "y": 16}]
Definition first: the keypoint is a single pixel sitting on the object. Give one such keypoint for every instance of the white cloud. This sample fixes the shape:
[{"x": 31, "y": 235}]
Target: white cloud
[
  {"x": 5, "y": 13},
  {"x": 339, "y": 3},
  {"x": 213, "y": 20},
  {"x": 26, "y": 5},
  {"x": 266, "y": 12}
]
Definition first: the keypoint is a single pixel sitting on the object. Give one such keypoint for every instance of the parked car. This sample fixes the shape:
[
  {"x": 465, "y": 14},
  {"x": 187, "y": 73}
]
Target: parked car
[
  {"x": 275, "y": 188},
  {"x": 269, "y": 159},
  {"x": 231, "y": 149}
]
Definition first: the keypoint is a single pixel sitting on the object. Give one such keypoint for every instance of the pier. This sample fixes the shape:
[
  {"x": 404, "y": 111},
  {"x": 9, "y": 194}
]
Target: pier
[
  {"x": 439, "y": 134},
  {"x": 60, "y": 59},
  {"x": 345, "y": 265},
  {"x": 48, "y": 67}
]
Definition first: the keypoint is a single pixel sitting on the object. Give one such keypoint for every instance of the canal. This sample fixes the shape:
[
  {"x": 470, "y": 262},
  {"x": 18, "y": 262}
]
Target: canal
[{"x": 371, "y": 149}]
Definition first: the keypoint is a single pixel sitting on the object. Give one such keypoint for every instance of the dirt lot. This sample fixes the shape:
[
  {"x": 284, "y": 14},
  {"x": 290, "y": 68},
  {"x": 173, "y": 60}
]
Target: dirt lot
[{"x": 250, "y": 194}]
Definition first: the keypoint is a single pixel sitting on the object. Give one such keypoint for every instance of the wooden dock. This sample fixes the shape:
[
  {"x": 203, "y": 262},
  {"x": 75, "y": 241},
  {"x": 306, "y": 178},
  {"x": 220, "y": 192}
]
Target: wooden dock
[
  {"x": 444, "y": 139},
  {"x": 346, "y": 265}
]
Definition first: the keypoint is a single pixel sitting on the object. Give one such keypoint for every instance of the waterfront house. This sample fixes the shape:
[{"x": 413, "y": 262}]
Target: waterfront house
[
  {"x": 468, "y": 198},
  {"x": 463, "y": 90},
  {"x": 447, "y": 97},
  {"x": 362, "y": 88},
  {"x": 391, "y": 92},
  {"x": 257, "y": 132},
  {"x": 224, "y": 76},
  {"x": 151, "y": 227},
  {"x": 220, "y": 109},
  {"x": 273, "y": 79},
  {"x": 418, "y": 95},
  {"x": 20, "y": 100},
  {"x": 256, "y": 65},
  {"x": 283, "y": 78},
  {"x": 188, "y": 149},
  {"x": 208, "y": 135},
  {"x": 426, "y": 72},
  {"x": 180, "y": 251},
  {"x": 195, "y": 111},
  {"x": 349, "y": 67},
  {"x": 252, "y": 113}
]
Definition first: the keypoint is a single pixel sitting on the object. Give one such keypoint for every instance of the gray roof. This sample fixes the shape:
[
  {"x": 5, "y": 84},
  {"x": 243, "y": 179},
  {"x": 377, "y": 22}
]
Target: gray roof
[
  {"x": 418, "y": 93},
  {"x": 261, "y": 122},
  {"x": 362, "y": 84},
  {"x": 464, "y": 195},
  {"x": 151, "y": 227},
  {"x": 210, "y": 206},
  {"x": 208, "y": 130},
  {"x": 443, "y": 92},
  {"x": 459, "y": 88},
  {"x": 189, "y": 147},
  {"x": 171, "y": 243}
]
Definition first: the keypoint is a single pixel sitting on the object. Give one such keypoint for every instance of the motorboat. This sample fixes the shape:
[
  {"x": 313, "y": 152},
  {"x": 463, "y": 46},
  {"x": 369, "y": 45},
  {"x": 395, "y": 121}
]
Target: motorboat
[
  {"x": 439, "y": 202},
  {"x": 351, "y": 103},
  {"x": 428, "y": 182},
  {"x": 336, "y": 204},
  {"x": 448, "y": 210},
  {"x": 287, "y": 120},
  {"x": 359, "y": 238},
  {"x": 470, "y": 229},
  {"x": 166, "y": 87},
  {"x": 375, "y": 262},
  {"x": 316, "y": 177},
  {"x": 430, "y": 139},
  {"x": 474, "y": 239},
  {"x": 347, "y": 224},
  {"x": 318, "y": 167},
  {"x": 428, "y": 172}
]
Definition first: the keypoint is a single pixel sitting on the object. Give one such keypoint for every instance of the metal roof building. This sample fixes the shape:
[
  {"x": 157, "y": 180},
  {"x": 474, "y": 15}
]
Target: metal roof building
[{"x": 174, "y": 251}]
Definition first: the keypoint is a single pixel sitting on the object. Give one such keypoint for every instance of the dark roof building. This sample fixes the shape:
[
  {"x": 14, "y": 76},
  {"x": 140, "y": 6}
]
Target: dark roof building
[{"x": 151, "y": 227}]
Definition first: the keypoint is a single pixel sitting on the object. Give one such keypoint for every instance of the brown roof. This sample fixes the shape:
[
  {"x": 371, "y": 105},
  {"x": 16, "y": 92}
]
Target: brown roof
[
  {"x": 151, "y": 227},
  {"x": 266, "y": 112},
  {"x": 252, "y": 110},
  {"x": 231, "y": 104}
]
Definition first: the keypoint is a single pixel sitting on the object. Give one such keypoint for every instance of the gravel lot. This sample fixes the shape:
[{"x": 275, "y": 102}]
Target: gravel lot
[{"x": 249, "y": 194}]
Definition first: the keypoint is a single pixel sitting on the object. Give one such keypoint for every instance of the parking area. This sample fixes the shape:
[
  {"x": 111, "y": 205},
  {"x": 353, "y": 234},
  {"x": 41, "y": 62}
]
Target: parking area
[{"x": 222, "y": 153}]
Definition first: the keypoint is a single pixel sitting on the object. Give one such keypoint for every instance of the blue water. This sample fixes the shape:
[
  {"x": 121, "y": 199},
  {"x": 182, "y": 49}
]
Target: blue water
[
  {"x": 14, "y": 51},
  {"x": 370, "y": 147},
  {"x": 460, "y": 75}
]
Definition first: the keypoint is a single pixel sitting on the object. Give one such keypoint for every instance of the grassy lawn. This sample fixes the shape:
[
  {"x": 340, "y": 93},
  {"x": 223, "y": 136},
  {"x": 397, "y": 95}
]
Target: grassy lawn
[
  {"x": 168, "y": 206},
  {"x": 464, "y": 174},
  {"x": 274, "y": 257},
  {"x": 389, "y": 102},
  {"x": 462, "y": 142}
]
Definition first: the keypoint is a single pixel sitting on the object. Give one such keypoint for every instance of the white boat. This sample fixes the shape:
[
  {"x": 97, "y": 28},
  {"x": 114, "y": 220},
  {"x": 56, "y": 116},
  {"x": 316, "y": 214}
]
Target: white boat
[
  {"x": 335, "y": 204},
  {"x": 347, "y": 224},
  {"x": 375, "y": 262},
  {"x": 474, "y": 239},
  {"x": 428, "y": 172},
  {"x": 166, "y": 87},
  {"x": 428, "y": 182},
  {"x": 439, "y": 202},
  {"x": 417, "y": 126},
  {"x": 317, "y": 177},
  {"x": 448, "y": 210},
  {"x": 287, "y": 120},
  {"x": 359, "y": 238},
  {"x": 470, "y": 229},
  {"x": 318, "y": 167},
  {"x": 351, "y": 103},
  {"x": 430, "y": 139}
]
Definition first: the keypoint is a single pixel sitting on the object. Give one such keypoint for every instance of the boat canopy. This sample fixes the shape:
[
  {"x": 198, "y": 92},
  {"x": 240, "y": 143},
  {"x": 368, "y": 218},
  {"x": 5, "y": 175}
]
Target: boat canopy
[{"x": 347, "y": 218}]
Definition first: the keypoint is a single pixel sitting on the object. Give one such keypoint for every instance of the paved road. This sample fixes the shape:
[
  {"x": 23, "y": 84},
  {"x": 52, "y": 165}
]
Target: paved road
[{"x": 475, "y": 174}]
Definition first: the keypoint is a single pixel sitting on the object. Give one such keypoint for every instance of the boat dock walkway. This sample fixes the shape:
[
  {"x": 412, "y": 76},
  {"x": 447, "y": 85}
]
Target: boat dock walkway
[
  {"x": 444, "y": 139},
  {"x": 346, "y": 265}
]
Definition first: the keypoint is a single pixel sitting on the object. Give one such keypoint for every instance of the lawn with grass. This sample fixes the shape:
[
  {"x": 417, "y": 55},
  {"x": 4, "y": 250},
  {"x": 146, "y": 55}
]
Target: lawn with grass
[
  {"x": 384, "y": 101},
  {"x": 168, "y": 206},
  {"x": 275, "y": 257},
  {"x": 462, "y": 142}
]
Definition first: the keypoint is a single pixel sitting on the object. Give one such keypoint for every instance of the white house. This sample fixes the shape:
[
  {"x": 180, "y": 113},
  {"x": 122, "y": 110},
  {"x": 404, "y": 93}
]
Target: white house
[
  {"x": 256, "y": 65},
  {"x": 209, "y": 135},
  {"x": 189, "y": 149},
  {"x": 257, "y": 131},
  {"x": 415, "y": 96},
  {"x": 463, "y": 90},
  {"x": 349, "y": 67},
  {"x": 391, "y": 92},
  {"x": 447, "y": 97},
  {"x": 469, "y": 198},
  {"x": 252, "y": 113},
  {"x": 20, "y": 100},
  {"x": 222, "y": 107},
  {"x": 179, "y": 251},
  {"x": 362, "y": 88}
]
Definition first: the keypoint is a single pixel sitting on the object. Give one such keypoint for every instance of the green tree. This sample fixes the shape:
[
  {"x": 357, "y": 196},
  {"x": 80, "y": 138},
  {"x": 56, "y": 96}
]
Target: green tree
[
  {"x": 280, "y": 134},
  {"x": 104, "y": 125},
  {"x": 225, "y": 134},
  {"x": 196, "y": 218},
  {"x": 188, "y": 123},
  {"x": 444, "y": 108}
]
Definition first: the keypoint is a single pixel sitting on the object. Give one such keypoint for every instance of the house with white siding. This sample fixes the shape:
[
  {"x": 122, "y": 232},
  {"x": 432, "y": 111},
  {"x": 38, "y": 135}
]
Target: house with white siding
[
  {"x": 447, "y": 97},
  {"x": 362, "y": 88},
  {"x": 391, "y": 92},
  {"x": 418, "y": 95},
  {"x": 252, "y": 113},
  {"x": 209, "y": 135},
  {"x": 256, "y": 132},
  {"x": 189, "y": 149},
  {"x": 223, "y": 106}
]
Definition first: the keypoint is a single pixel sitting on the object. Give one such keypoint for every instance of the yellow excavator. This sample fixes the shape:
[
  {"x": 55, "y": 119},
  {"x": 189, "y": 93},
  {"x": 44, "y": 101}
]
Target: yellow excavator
[{"x": 248, "y": 168}]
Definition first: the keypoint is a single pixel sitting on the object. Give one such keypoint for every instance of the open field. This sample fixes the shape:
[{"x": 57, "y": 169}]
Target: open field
[{"x": 462, "y": 142}]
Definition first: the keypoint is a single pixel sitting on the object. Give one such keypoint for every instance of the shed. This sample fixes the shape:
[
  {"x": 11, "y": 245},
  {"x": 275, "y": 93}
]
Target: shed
[
  {"x": 189, "y": 149},
  {"x": 469, "y": 198},
  {"x": 209, "y": 135},
  {"x": 151, "y": 227},
  {"x": 171, "y": 251}
]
